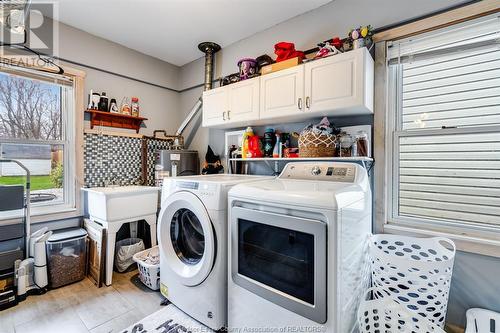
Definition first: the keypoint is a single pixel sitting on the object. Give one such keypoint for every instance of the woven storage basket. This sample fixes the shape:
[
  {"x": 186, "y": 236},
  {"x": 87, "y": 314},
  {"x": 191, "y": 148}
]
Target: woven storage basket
[
  {"x": 316, "y": 144},
  {"x": 415, "y": 272}
]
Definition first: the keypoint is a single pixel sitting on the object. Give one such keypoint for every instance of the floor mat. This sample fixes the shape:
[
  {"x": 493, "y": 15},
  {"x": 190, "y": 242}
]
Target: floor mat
[{"x": 168, "y": 319}]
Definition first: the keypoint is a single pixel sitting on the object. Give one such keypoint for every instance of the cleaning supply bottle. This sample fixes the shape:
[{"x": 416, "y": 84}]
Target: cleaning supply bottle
[
  {"x": 268, "y": 142},
  {"x": 277, "y": 145},
  {"x": 244, "y": 142}
]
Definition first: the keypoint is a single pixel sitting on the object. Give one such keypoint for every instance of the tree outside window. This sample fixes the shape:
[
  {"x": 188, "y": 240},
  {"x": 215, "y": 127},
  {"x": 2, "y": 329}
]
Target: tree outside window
[{"x": 32, "y": 131}]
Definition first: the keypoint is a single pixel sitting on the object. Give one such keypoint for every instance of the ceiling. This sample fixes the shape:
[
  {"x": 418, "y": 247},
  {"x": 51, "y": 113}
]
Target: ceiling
[{"x": 171, "y": 29}]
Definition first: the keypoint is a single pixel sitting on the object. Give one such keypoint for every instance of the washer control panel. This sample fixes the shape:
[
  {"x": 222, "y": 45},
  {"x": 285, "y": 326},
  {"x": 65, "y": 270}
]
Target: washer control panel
[
  {"x": 204, "y": 189},
  {"x": 329, "y": 171}
]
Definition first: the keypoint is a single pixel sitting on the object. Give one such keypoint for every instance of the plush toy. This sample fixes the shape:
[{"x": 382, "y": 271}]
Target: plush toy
[{"x": 285, "y": 51}]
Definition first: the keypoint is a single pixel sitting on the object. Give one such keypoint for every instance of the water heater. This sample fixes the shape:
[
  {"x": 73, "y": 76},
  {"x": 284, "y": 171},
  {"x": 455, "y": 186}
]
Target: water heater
[{"x": 173, "y": 163}]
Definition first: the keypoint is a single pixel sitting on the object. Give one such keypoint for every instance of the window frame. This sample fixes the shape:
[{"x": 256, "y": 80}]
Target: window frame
[
  {"x": 469, "y": 237},
  {"x": 72, "y": 122}
]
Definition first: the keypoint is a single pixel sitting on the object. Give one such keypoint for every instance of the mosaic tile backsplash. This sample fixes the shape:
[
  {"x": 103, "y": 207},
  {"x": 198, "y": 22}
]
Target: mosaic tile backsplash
[{"x": 117, "y": 160}]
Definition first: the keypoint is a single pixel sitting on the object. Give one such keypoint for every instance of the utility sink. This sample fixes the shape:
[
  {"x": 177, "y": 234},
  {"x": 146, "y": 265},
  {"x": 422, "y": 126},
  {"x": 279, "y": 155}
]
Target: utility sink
[{"x": 118, "y": 203}]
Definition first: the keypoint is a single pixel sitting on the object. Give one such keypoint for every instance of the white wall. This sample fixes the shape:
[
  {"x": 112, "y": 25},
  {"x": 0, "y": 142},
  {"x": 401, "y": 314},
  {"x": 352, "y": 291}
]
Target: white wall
[{"x": 160, "y": 106}]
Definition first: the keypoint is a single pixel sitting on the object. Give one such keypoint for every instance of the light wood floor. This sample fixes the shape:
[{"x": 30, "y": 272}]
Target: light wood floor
[{"x": 82, "y": 307}]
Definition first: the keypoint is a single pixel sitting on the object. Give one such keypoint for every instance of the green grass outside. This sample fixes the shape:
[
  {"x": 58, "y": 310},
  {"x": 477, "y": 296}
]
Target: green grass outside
[{"x": 37, "y": 182}]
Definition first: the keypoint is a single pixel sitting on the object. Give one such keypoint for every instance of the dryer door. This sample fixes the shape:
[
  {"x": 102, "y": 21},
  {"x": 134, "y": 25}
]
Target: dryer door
[
  {"x": 187, "y": 238},
  {"x": 281, "y": 258}
]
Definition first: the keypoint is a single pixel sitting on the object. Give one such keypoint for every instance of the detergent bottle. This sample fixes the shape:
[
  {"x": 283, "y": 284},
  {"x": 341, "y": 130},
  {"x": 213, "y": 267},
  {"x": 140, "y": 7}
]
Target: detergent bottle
[
  {"x": 245, "y": 142},
  {"x": 254, "y": 146}
]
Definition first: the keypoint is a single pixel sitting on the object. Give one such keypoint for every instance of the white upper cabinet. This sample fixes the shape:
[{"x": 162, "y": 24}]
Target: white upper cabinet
[
  {"x": 214, "y": 106},
  {"x": 339, "y": 85},
  {"x": 232, "y": 105},
  {"x": 282, "y": 93},
  {"x": 243, "y": 103}
]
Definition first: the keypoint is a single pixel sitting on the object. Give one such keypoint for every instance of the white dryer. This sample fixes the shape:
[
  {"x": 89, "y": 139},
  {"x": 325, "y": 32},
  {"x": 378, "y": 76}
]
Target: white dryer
[
  {"x": 297, "y": 249},
  {"x": 192, "y": 236}
]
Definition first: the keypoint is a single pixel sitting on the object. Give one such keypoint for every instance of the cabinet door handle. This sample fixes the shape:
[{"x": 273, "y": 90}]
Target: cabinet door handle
[
  {"x": 308, "y": 102},
  {"x": 224, "y": 115},
  {"x": 299, "y": 103},
  {"x": 228, "y": 116}
]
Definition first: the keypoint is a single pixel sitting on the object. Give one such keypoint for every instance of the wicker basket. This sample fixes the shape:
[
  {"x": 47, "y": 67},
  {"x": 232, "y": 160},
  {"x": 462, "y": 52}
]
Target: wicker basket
[{"x": 313, "y": 144}]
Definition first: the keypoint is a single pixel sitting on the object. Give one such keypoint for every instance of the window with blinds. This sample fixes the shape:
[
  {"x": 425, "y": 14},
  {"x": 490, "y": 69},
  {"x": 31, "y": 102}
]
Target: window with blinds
[{"x": 444, "y": 99}]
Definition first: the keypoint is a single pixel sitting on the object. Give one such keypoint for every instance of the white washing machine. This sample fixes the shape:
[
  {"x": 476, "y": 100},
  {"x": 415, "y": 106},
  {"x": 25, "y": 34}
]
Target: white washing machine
[
  {"x": 192, "y": 236},
  {"x": 298, "y": 249}
]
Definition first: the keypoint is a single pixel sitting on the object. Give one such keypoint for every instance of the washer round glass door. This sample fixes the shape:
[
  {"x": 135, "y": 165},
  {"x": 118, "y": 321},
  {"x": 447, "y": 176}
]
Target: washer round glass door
[
  {"x": 186, "y": 237},
  {"x": 186, "y": 234}
]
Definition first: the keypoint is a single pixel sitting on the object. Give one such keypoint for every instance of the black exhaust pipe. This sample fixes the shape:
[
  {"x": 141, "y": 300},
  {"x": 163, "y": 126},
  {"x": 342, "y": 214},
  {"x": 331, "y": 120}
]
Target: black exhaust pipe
[{"x": 209, "y": 48}]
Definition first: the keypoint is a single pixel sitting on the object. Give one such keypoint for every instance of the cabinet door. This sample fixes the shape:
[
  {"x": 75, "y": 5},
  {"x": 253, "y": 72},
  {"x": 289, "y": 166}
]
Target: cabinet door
[
  {"x": 282, "y": 93},
  {"x": 336, "y": 85},
  {"x": 215, "y": 103},
  {"x": 243, "y": 101}
]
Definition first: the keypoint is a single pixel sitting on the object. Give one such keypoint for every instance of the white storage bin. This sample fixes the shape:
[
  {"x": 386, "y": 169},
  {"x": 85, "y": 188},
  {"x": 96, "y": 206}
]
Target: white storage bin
[
  {"x": 415, "y": 272},
  {"x": 148, "y": 262},
  {"x": 482, "y": 321},
  {"x": 379, "y": 313}
]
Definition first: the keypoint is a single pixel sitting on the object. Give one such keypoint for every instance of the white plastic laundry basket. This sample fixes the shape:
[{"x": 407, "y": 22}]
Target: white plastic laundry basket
[
  {"x": 482, "y": 321},
  {"x": 379, "y": 313},
  {"x": 416, "y": 272},
  {"x": 148, "y": 262}
]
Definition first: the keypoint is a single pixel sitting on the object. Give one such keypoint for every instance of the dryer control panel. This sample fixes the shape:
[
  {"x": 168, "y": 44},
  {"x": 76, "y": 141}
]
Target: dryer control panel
[{"x": 327, "y": 171}]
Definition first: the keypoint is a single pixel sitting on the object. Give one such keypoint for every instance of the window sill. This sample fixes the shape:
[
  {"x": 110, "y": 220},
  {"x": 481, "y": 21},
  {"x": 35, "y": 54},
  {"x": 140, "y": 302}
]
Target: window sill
[
  {"x": 44, "y": 214},
  {"x": 487, "y": 243}
]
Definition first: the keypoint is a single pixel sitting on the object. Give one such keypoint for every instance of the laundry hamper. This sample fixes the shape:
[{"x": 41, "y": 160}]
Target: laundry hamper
[
  {"x": 124, "y": 252},
  {"x": 379, "y": 313},
  {"x": 416, "y": 272},
  {"x": 148, "y": 262}
]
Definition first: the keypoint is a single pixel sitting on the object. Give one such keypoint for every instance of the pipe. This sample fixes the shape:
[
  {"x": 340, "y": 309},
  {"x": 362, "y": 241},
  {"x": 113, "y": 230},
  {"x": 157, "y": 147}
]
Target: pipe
[
  {"x": 190, "y": 116},
  {"x": 209, "y": 48},
  {"x": 176, "y": 141}
]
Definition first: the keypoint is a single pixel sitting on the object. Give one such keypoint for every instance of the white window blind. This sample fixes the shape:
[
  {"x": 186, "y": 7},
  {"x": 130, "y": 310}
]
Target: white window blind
[{"x": 444, "y": 96}]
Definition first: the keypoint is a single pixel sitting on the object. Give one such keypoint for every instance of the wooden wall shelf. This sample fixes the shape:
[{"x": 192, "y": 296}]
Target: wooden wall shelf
[{"x": 118, "y": 120}]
